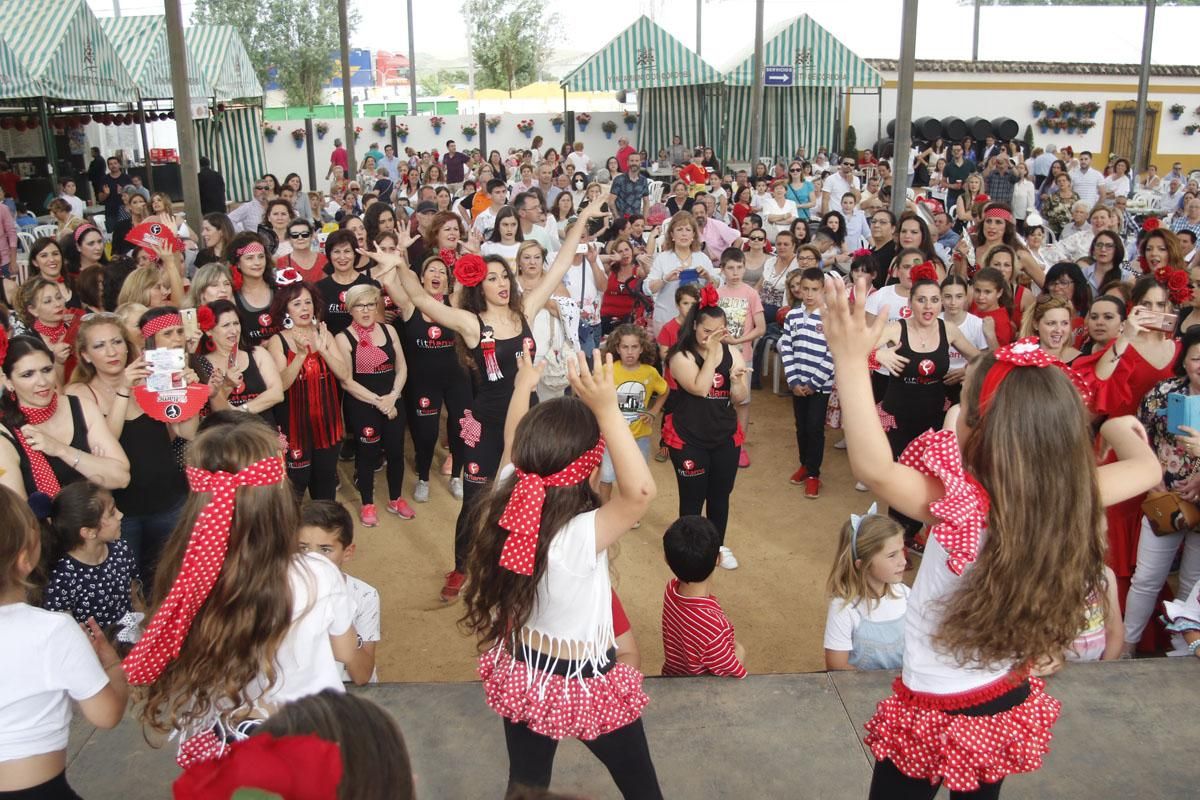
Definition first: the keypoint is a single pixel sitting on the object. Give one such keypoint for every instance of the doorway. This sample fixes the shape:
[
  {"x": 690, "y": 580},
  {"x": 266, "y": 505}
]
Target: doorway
[{"x": 1121, "y": 132}]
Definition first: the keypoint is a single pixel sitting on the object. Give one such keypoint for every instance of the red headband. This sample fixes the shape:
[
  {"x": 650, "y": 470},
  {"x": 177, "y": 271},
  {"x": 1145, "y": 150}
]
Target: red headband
[
  {"x": 250, "y": 249},
  {"x": 278, "y": 766},
  {"x": 162, "y": 323},
  {"x": 998, "y": 212},
  {"x": 522, "y": 517},
  {"x": 82, "y": 230},
  {"x": 202, "y": 562},
  {"x": 1026, "y": 353},
  {"x": 709, "y": 296}
]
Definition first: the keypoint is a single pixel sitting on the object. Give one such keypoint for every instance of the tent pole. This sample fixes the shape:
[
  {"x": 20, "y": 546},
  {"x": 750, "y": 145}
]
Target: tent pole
[
  {"x": 189, "y": 166},
  {"x": 756, "y": 88},
  {"x": 47, "y": 140},
  {"x": 904, "y": 92},
  {"x": 347, "y": 95},
  {"x": 412, "y": 64},
  {"x": 310, "y": 154},
  {"x": 145, "y": 142},
  {"x": 1139, "y": 131}
]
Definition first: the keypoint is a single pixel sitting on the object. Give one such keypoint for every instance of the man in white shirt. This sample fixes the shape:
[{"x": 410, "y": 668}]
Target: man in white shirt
[
  {"x": 1085, "y": 180},
  {"x": 1171, "y": 199},
  {"x": 840, "y": 182},
  {"x": 247, "y": 216},
  {"x": 530, "y": 213},
  {"x": 67, "y": 193},
  {"x": 498, "y": 194},
  {"x": 581, "y": 160}
]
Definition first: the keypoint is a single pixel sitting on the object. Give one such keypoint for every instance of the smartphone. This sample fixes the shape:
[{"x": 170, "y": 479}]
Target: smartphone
[
  {"x": 191, "y": 328},
  {"x": 581, "y": 249},
  {"x": 1158, "y": 321}
]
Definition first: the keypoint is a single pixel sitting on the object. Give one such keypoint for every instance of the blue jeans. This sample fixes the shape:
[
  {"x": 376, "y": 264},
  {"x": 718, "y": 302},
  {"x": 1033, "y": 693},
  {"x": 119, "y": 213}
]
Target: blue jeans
[
  {"x": 146, "y": 535},
  {"x": 589, "y": 338}
]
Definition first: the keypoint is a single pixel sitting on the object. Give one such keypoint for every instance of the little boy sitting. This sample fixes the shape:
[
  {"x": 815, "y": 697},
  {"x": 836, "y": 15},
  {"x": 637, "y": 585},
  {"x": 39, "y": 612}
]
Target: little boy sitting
[
  {"x": 697, "y": 636},
  {"x": 327, "y": 528}
]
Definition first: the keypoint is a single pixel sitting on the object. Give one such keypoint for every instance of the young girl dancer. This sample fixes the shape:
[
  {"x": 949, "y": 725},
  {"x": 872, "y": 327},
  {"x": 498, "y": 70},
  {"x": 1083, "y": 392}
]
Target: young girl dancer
[
  {"x": 70, "y": 665},
  {"x": 993, "y": 303},
  {"x": 492, "y": 325},
  {"x": 374, "y": 379},
  {"x": 310, "y": 367},
  {"x": 702, "y": 429},
  {"x": 538, "y": 596},
  {"x": 234, "y": 594},
  {"x": 964, "y": 712},
  {"x": 865, "y": 625}
]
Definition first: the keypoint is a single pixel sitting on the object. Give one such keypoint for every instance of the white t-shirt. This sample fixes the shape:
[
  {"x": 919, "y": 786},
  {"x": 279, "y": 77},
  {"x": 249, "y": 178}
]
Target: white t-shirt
[
  {"x": 1087, "y": 184},
  {"x": 972, "y": 330},
  {"x": 74, "y": 202},
  {"x": 771, "y": 207},
  {"x": 46, "y": 661},
  {"x": 581, "y": 283},
  {"x": 836, "y": 186},
  {"x": 366, "y": 616},
  {"x": 1119, "y": 186},
  {"x": 888, "y": 296},
  {"x": 843, "y": 619},
  {"x": 581, "y": 161},
  {"x": 664, "y": 300},
  {"x": 509, "y": 251},
  {"x": 485, "y": 222}
]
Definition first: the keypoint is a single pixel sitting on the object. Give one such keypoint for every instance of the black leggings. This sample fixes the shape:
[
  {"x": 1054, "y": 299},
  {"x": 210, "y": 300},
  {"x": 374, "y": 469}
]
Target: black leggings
[
  {"x": 374, "y": 433},
  {"x": 625, "y": 752},
  {"x": 315, "y": 472},
  {"x": 481, "y": 464},
  {"x": 705, "y": 479},
  {"x": 889, "y": 783},
  {"x": 809, "y": 413},
  {"x": 424, "y": 404},
  {"x": 56, "y": 788}
]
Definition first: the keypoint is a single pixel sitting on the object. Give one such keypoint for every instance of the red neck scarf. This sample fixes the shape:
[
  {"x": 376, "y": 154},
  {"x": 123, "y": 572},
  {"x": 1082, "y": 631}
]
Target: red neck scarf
[
  {"x": 55, "y": 334},
  {"x": 522, "y": 516},
  {"x": 43, "y": 477},
  {"x": 368, "y": 356},
  {"x": 202, "y": 563}
]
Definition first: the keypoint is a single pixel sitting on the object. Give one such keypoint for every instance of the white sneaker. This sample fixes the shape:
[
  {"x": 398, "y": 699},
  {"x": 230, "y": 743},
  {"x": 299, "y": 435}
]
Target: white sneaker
[
  {"x": 456, "y": 488},
  {"x": 859, "y": 486},
  {"x": 727, "y": 560},
  {"x": 841, "y": 445},
  {"x": 421, "y": 492}
]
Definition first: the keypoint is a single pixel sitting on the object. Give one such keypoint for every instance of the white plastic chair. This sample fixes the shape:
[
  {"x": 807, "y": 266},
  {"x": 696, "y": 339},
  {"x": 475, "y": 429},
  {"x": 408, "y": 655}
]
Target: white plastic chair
[
  {"x": 49, "y": 231},
  {"x": 25, "y": 242},
  {"x": 656, "y": 191}
]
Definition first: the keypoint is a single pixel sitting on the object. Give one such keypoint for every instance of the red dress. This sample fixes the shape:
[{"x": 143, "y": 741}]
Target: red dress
[{"x": 1004, "y": 326}]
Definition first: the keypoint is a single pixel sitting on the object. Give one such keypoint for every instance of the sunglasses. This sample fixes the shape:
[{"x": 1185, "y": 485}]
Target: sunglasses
[
  {"x": 261, "y": 188},
  {"x": 797, "y": 169},
  {"x": 758, "y": 238},
  {"x": 847, "y": 163},
  {"x": 299, "y": 235}
]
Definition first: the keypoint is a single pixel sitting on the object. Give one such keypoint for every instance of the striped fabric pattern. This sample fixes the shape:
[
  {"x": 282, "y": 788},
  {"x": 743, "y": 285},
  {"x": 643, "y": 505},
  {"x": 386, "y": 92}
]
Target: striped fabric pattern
[
  {"x": 803, "y": 116},
  {"x": 642, "y": 56},
  {"x": 233, "y": 141},
  {"x": 817, "y": 57},
  {"x": 141, "y": 44},
  {"x": 15, "y": 81},
  {"x": 224, "y": 63},
  {"x": 64, "y": 49},
  {"x": 666, "y": 112},
  {"x": 804, "y": 351}
]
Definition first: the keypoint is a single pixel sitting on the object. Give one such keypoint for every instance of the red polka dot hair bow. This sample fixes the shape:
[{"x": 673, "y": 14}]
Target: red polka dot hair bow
[
  {"x": 1027, "y": 353},
  {"x": 522, "y": 517},
  {"x": 709, "y": 296},
  {"x": 963, "y": 510},
  {"x": 202, "y": 562}
]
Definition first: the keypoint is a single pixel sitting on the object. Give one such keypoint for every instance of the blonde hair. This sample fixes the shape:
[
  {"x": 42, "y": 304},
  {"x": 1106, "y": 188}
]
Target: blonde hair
[
  {"x": 848, "y": 576},
  {"x": 683, "y": 218},
  {"x": 86, "y": 370},
  {"x": 205, "y": 277},
  {"x": 136, "y": 288},
  {"x": 27, "y": 296},
  {"x": 1044, "y": 304},
  {"x": 362, "y": 292},
  {"x": 528, "y": 244}
]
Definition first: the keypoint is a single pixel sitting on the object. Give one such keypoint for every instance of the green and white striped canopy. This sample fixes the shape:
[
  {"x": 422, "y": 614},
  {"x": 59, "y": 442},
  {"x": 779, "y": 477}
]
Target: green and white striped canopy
[
  {"x": 141, "y": 44},
  {"x": 233, "y": 141},
  {"x": 64, "y": 50},
  {"x": 223, "y": 61},
  {"x": 816, "y": 57},
  {"x": 15, "y": 82},
  {"x": 642, "y": 56}
]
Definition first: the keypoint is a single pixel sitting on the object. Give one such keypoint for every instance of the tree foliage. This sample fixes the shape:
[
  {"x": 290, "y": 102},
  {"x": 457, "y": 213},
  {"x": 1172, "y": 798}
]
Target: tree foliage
[
  {"x": 434, "y": 83},
  {"x": 294, "y": 37},
  {"x": 510, "y": 40}
]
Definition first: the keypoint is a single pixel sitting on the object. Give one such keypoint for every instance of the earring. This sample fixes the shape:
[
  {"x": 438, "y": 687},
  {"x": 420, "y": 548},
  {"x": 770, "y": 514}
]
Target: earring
[
  {"x": 209, "y": 346},
  {"x": 288, "y": 324}
]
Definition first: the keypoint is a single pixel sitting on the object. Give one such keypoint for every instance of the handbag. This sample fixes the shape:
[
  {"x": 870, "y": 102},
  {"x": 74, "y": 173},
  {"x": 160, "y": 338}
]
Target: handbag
[
  {"x": 1169, "y": 513},
  {"x": 559, "y": 351}
]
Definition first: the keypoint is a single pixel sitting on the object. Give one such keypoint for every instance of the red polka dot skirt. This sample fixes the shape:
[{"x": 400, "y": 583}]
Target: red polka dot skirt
[
  {"x": 560, "y": 707},
  {"x": 925, "y": 741}
]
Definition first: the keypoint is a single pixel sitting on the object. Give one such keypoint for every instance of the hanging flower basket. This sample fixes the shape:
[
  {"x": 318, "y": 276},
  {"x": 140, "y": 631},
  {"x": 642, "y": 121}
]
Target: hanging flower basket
[
  {"x": 525, "y": 126},
  {"x": 609, "y": 127},
  {"x": 357, "y": 132},
  {"x": 493, "y": 123},
  {"x": 469, "y": 131},
  {"x": 1038, "y": 108},
  {"x": 401, "y": 131},
  {"x": 1089, "y": 109},
  {"x": 1190, "y": 130},
  {"x": 631, "y": 119},
  {"x": 1043, "y": 125},
  {"x": 437, "y": 123},
  {"x": 1177, "y": 110},
  {"x": 557, "y": 122},
  {"x": 379, "y": 126},
  {"x": 269, "y": 131},
  {"x": 298, "y": 137},
  {"x": 583, "y": 120},
  {"x": 322, "y": 129}
]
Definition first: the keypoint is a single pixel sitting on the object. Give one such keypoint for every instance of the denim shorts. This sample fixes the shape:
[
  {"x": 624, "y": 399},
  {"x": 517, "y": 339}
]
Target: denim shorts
[{"x": 608, "y": 474}]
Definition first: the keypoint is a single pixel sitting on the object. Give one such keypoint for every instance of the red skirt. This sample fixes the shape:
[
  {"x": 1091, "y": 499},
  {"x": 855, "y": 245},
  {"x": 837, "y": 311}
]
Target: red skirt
[
  {"x": 557, "y": 706},
  {"x": 914, "y": 731}
]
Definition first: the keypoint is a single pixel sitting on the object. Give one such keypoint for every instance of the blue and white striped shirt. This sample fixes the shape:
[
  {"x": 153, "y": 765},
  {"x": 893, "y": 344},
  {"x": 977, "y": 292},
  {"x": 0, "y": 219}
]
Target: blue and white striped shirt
[{"x": 805, "y": 354}]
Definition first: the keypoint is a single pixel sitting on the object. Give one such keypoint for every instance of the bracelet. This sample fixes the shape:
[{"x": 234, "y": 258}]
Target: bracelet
[
  {"x": 116, "y": 663},
  {"x": 873, "y": 360},
  {"x": 78, "y": 455},
  {"x": 1193, "y": 647}
]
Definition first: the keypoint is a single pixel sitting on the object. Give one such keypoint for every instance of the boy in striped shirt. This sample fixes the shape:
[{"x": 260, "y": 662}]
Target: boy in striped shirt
[
  {"x": 809, "y": 370},
  {"x": 697, "y": 636}
]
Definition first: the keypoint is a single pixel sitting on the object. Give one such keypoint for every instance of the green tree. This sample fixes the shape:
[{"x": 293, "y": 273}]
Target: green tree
[
  {"x": 511, "y": 40},
  {"x": 294, "y": 37}
]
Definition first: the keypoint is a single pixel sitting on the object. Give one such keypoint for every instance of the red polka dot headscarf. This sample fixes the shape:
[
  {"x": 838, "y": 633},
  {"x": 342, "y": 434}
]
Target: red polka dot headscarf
[
  {"x": 522, "y": 516},
  {"x": 202, "y": 562},
  {"x": 1027, "y": 353}
]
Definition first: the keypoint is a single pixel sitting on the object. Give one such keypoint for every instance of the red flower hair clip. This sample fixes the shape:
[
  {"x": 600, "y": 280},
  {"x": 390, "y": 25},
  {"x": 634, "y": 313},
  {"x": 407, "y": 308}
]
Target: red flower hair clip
[
  {"x": 924, "y": 272},
  {"x": 709, "y": 296},
  {"x": 205, "y": 318},
  {"x": 1027, "y": 352},
  {"x": 236, "y": 278},
  {"x": 288, "y": 275},
  {"x": 470, "y": 270},
  {"x": 1176, "y": 282},
  {"x": 861, "y": 252},
  {"x": 1151, "y": 224}
]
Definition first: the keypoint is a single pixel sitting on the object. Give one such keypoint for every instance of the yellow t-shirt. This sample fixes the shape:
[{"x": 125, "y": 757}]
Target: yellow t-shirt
[{"x": 636, "y": 389}]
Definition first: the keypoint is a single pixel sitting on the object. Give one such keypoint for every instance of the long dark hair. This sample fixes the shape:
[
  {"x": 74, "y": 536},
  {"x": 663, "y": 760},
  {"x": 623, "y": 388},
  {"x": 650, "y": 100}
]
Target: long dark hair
[
  {"x": 838, "y": 236},
  {"x": 41, "y": 244},
  {"x": 11, "y": 415},
  {"x": 219, "y": 307},
  {"x": 286, "y": 294},
  {"x": 996, "y": 278},
  {"x": 1114, "y": 272},
  {"x": 78, "y": 505},
  {"x": 221, "y": 222},
  {"x": 1081, "y": 296},
  {"x": 69, "y": 245},
  {"x": 503, "y": 214},
  {"x": 499, "y": 601},
  {"x": 371, "y": 219},
  {"x": 471, "y": 298},
  {"x": 241, "y": 240},
  {"x": 926, "y": 245},
  {"x": 687, "y": 343}
]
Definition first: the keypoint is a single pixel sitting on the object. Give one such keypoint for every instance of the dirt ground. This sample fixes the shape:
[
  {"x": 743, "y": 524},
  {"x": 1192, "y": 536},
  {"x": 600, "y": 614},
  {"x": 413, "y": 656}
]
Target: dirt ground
[{"x": 775, "y": 599}]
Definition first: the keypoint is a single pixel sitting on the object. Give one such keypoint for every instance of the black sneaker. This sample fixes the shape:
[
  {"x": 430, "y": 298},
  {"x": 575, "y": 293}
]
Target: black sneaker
[{"x": 348, "y": 450}]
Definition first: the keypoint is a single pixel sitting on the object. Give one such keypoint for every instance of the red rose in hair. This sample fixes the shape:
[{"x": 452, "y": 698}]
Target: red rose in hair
[
  {"x": 1151, "y": 224},
  {"x": 205, "y": 318},
  {"x": 924, "y": 272},
  {"x": 295, "y": 767},
  {"x": 709, "y": 296},
  {"x": 1177, "y": 280},
  {"x": 237, "y": 278},
  {"x": 1162, "y": 275},
  {"x": 470, "y": 270}
]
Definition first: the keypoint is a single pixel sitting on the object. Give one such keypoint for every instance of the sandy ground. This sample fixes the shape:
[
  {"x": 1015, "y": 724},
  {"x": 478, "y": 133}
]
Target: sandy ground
[{"x": 775, "y": 599}]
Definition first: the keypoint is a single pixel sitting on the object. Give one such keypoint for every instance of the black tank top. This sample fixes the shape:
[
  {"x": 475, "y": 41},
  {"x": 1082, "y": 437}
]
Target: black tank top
[
  {"x": 62, "y": 470},
  {"x": 333, "y": 299},
  {"x": 919, "y": 389},
  {"x": 155, "y": 481},
  {"x": 252, "y": 386},
  {"x": 429, "y": 348},
  {"x": 708, "y": 421},
  {"x": 257, "y": 324},
  {"x": 494, "y": 386},
  {"x": 383, "y": 378}
]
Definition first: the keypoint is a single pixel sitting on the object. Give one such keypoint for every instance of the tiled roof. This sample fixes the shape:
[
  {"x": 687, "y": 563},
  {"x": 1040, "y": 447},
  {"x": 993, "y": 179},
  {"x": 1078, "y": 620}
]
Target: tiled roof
[{"x": 1039, "y": 68}]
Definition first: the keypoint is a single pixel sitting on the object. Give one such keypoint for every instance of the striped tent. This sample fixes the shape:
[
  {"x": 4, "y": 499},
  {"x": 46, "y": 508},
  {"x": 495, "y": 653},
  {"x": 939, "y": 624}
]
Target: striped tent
[
  {"x": 141, "y": 43},
  {"x": 15, "y": 82},
  {"x": 223, "y": 62},
  {"x": 233, "y": 141},
  {"x": 62, "y": 47},
  {"x": 670, "y": 80},
  {"x": 805, "y": 113}
]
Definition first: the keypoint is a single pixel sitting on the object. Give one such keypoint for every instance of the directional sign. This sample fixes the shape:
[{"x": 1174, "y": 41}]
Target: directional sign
[{"x": 778, "y": 76}]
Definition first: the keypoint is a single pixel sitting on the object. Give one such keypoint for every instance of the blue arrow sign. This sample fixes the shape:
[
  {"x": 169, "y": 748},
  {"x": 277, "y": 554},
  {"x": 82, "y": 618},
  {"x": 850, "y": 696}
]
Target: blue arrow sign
[{"x": 778, "y": 76}]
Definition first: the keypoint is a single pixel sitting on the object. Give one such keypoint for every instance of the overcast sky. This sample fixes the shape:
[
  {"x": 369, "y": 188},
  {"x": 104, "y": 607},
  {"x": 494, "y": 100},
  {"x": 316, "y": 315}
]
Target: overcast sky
[{"x": 869, "y": 27}]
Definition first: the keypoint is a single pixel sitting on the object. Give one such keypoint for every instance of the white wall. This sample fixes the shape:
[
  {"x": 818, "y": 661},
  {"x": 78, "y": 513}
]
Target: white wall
[{"x": 284, "y": 157}]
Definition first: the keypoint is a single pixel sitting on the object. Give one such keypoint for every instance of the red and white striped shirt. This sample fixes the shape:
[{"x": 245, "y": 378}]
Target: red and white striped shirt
[{"x": 697, "y": 636}]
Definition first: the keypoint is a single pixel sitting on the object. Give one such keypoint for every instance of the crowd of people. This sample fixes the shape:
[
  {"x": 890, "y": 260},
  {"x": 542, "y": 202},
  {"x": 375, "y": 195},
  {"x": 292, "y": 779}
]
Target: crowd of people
[{"x": 558, "y": 323}]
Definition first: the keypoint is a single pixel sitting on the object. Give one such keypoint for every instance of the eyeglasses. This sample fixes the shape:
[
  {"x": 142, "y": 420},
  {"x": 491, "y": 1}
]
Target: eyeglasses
[
  {"x": 299, "y": 235},
  {"x": 362, "y": 306},
  {"x": 1104, "y": 246},
  {"x": 758, "y": 238},
  {"x": 797, "y": 169},
  {"x": 847, "y": 163}
]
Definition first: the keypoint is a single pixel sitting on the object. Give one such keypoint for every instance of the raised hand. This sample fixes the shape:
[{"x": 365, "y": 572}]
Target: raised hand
[
  {"x": 850, "y": 337},
  {"x": 595, "y": 386},
  {"x": 528, "y": 373}
]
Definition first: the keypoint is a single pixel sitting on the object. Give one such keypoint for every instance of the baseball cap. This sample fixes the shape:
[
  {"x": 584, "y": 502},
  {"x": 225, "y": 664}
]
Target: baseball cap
[{"x": 426, "y": 206}]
